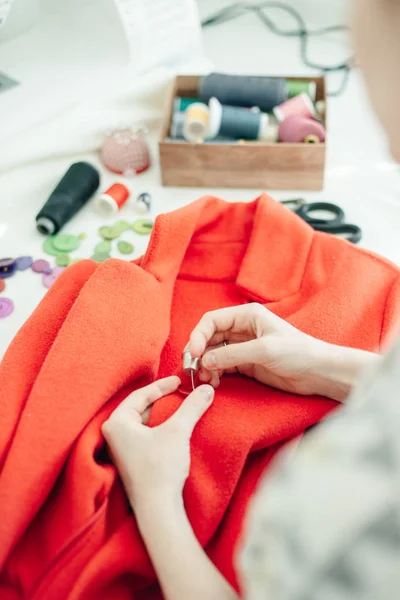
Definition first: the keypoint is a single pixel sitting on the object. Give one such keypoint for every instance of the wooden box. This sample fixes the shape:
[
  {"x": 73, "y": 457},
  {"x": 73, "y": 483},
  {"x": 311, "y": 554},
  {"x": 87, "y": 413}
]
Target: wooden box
[{"x": 249, "y": 165}]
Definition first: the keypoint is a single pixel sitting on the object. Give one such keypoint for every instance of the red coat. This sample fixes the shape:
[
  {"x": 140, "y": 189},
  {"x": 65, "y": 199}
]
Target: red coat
[{"x": 66, "y": 528}]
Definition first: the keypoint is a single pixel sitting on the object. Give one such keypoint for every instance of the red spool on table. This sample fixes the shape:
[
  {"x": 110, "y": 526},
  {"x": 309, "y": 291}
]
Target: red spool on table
[{"x": 113, "y": 199}]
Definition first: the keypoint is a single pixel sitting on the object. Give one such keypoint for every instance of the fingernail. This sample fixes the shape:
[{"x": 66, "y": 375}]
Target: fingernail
[
  {"x": 208, "y": 392},
  {"x": 210, "y": 360}
]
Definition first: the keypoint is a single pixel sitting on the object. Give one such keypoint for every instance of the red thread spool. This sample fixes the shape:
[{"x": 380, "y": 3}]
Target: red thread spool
[
  {"x": 299, "y": 106},
  {"x": 113, "y": 199},
  {"x": 298, "y": 130}
]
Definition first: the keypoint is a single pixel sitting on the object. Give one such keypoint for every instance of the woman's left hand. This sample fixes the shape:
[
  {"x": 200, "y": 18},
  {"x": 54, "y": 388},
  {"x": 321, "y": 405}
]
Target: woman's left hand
[{"x": 154, "y": 461}]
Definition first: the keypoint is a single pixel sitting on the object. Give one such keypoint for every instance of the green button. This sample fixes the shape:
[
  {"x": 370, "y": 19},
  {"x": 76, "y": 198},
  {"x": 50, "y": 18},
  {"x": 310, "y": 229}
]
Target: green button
[
  {"x": 49, "y": 248},
  {"x": 142, "y": 226},
  {"x": 103, "y": 247},
  {"x": 125, "y": 247},
  {"x": 122, "y": 226},
  {"x": 100, "y": 256},
  {"x": 109, "y": 233},
  {"x": 62, "y": 260},
  {"x": 65, "y": 242}
]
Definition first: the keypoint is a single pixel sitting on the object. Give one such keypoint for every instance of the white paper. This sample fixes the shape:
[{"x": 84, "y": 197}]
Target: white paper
[{"x": 160, "y": 31}]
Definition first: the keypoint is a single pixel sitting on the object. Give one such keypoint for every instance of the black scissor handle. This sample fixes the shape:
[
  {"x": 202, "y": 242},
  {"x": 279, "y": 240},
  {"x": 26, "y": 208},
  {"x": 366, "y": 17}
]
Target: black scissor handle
[
  {"x": 305, "y": 212},
  {"x": 351, "y": 233}
]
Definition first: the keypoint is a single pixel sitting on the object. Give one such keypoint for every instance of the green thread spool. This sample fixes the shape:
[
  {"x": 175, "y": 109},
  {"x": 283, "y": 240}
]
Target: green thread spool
[
  {"x": 181, "y": 104},
  {"x": 295, "y": 88}
]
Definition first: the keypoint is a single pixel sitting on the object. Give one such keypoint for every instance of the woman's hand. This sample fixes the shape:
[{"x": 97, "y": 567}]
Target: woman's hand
[
  {"x": 154, "y": 461},
  {"x": 154, "y": 465},
  {"x": 264, "y": 346}
]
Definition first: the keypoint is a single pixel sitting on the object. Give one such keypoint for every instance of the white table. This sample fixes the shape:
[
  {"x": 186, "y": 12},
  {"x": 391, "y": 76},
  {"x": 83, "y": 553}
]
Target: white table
[{"x": 360, "y": 175}]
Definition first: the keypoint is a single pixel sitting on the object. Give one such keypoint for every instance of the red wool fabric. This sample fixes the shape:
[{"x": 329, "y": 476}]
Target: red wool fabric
[{"x": 103, "y": 330}]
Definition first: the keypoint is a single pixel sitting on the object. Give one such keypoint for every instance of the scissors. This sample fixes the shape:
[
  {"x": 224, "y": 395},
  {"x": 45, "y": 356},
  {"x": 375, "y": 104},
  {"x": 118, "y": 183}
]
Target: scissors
[{"x": 334, "y": 225}]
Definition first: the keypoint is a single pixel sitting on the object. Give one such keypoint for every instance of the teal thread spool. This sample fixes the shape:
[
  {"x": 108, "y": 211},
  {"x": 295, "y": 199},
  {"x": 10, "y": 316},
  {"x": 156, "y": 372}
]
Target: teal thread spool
[
  {"x": 181, "y": 104},
  {"x": 235, "y": 122},
  {"x": 295, "y": 88}
]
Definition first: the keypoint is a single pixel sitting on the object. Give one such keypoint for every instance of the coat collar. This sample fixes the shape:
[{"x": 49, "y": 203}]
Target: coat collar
[{"x": 260, "y": 245}]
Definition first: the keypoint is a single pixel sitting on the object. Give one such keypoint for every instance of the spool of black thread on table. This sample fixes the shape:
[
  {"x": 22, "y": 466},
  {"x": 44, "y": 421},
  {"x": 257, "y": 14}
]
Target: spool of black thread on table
[
  {"x": 244, "y": 90},
  {"x": 72, "y": 192}
]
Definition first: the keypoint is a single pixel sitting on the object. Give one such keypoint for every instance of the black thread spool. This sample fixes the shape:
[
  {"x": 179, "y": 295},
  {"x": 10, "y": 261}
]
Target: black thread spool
[
  {"x": 244, "y": 90},
  {"x": 72, "y": 192}
]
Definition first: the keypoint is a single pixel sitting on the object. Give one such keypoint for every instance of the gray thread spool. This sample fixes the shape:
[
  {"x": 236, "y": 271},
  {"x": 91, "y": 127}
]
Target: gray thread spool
[
  {"x": 234, "y": 122},
  {"x": 244, "y": 90},
  {"x": 177, "y": 125}
]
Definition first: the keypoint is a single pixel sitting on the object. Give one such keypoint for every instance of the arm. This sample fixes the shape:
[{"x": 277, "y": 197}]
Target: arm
[
  {"x": 183, "y": 568},
  {"x": 336, "y": 369},
  {"x": 154, "y": 464}
]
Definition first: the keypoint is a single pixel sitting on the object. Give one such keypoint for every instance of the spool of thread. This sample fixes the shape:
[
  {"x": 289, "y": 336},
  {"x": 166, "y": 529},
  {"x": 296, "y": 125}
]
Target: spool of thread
[
  {"x": 177, "y": 125},
  {"x": 297, "y": 130},
  {"x": 196, "y": 122},
  {"x": 299, "y": 106},
  {"x": 181, "y": 104},
  {"x": 321, "y": 109},
  {"x": 73, "y": 191},
  {"x": 299, "y": 87},
  {"x": 235, "y": 122},
  {"x": 113, "y": 199},
  {"x": 244, "y": 90}
]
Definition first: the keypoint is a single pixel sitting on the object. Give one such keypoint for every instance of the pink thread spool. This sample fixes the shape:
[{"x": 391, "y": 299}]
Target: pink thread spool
[
  {"x": 298, "y": 130},
  {"x": 299, "y": 106},
  {"x": 125, "y": 152}
]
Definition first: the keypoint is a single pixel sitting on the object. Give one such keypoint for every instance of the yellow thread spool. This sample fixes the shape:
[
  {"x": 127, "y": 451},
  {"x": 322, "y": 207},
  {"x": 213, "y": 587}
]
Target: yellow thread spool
[{"x": 196, "y": 122}]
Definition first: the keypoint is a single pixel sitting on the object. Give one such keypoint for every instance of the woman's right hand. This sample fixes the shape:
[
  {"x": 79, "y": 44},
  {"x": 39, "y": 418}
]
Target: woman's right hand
[{"x": 261, "y": 345}]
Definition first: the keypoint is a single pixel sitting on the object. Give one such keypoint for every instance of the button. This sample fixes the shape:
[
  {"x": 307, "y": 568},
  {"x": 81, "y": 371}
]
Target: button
[
  {"x": 109, "y": 233},
  {"x": 2, "y": 285},
  {"x": 122, "y": 226},
  {"x": 142, "y": 226},
  {"x": 7, "y": 267},
  {"x": 6, "y": 307},
  {"x": 65, "y": 242},
  {"x": 125, "y": 247},
  {"x": 103, "y": 247},
  {"x": 23, "y": 263},
  {"x": 62, "y": 260},
  {"x": 50, "y": 278},
  {"x": 40, "y": 266},
  {"x": 100, "y": 256},
  {"x": 49, "y": 247}
]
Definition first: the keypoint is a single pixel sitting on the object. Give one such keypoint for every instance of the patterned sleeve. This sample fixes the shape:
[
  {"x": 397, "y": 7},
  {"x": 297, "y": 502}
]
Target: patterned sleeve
[{"x": 326, "y": 524}]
